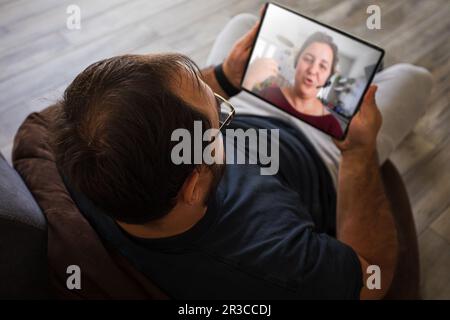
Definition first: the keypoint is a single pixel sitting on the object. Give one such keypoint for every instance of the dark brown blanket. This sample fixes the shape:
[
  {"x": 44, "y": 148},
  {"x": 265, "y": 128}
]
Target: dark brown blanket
[{"x": 71, "y": 240}]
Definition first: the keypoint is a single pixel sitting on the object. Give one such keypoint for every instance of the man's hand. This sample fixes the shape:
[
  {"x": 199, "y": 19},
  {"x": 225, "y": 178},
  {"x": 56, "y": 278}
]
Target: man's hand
[
  {"x": 235, "y": 62},
  {"x": 364, "y": 127}
]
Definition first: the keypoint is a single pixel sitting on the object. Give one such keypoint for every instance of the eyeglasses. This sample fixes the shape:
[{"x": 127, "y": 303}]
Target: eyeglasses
[{"x": 226, "y": 111}]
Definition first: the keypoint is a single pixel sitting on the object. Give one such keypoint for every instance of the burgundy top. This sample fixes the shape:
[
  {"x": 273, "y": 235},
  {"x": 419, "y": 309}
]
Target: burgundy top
[{"x": 327, "y": 123}]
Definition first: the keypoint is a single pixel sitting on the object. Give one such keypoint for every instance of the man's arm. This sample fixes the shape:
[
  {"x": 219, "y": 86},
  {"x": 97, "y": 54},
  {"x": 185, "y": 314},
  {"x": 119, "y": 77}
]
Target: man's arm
[
  {"x": 210, "y": 78},
  {"x": 364, "y": 217}
]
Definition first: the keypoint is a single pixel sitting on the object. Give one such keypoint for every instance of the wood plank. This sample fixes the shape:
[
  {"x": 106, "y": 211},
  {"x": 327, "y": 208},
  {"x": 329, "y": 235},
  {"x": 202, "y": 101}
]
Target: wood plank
[
  {"x": 12, "y": 118},
  {"x": 52, "y": 20},
  {"x": 435, "y": 263},
  {"x": 133, "y": 13},
  {"x": 64, "y": 68},
  {"x": 442, "y": 225},
  {"x": 411, "y": 151},
  {"x": 18, "y": 10},
  {"x": 20, "y": 59},
  {"x": 428, "y": 186},
  {"x": 94, "y": 25}
]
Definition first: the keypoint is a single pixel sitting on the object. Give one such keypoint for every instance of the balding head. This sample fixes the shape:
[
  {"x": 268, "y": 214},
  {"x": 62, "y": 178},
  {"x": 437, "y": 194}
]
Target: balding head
[{"x": 112, "y": 137}]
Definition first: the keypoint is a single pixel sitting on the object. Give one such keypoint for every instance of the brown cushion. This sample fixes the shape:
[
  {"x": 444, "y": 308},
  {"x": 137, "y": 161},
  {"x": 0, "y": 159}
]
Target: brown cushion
[
  {"x": 71, "y": 240},
  {"x": 405, "y": 284}
]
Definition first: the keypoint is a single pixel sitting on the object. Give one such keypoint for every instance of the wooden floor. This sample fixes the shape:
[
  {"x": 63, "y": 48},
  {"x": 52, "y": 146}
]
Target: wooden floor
[{"x": 39, "y": 56}]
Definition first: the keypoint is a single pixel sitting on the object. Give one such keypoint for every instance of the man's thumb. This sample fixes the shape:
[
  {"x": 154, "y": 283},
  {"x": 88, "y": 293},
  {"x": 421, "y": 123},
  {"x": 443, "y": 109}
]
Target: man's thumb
[
  {"x": 369, "y": 98},
  {"x": 370, "y": 94}
]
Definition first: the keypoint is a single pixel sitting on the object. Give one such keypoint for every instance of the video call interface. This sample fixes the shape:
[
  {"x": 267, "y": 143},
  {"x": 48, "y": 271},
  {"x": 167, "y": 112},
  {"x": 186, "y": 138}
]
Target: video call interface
[{"x": 310, "y": 71}]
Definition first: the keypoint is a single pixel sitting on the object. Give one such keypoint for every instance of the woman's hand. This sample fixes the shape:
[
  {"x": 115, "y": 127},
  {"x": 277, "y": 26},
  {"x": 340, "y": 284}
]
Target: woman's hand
[{"x": 260, "y": 70}]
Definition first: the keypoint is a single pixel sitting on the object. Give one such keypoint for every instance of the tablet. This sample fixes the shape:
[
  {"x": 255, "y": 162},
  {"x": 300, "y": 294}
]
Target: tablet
[{"x": 312, "y": 71}]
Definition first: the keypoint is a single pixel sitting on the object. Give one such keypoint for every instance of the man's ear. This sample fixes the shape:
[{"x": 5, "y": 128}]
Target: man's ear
[{"x": 190, "y": 191}]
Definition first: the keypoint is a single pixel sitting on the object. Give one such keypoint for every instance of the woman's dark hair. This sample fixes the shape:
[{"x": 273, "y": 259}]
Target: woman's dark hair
[
  {"x": 321, "y": 38},
  {"x": 112, "y": 134}
]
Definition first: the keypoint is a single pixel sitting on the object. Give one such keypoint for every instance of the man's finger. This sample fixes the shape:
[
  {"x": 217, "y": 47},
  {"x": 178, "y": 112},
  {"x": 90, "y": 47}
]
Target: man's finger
[
  {"x": 369, "y": 98},
  {"x": 248, "y": 38},
  {"x": 370, "y": 94},
  {"x": 340, "y": 143},
  {"x": 365, "y": 104},
  {"x": 262, "y": 9}
]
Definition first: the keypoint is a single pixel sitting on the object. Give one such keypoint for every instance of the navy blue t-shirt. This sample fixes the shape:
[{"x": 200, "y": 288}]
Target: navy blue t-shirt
[{"x": 262, "y": 237}]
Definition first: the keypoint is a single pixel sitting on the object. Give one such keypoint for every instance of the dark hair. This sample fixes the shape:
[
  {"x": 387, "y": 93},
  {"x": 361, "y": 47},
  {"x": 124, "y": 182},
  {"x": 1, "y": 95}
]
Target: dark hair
[
  {"x": 321, "y": 38},
  {"x": 112, "y": 134}
]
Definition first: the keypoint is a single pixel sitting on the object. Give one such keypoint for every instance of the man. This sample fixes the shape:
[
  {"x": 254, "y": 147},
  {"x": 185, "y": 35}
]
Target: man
[{"x": 209, "y": 231}]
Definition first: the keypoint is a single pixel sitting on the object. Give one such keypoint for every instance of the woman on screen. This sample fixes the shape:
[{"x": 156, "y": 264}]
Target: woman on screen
[{"x": 315, "y": 64}]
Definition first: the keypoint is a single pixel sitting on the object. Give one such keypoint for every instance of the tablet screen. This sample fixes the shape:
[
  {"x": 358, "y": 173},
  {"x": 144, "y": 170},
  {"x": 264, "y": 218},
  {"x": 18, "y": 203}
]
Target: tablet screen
[{"x": 311, "y": 71}]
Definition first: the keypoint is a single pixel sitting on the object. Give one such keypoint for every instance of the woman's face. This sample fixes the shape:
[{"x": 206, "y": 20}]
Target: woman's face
[{"x": 313, "y": 68}]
